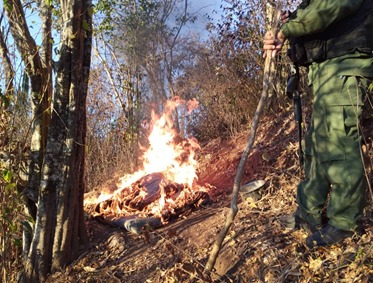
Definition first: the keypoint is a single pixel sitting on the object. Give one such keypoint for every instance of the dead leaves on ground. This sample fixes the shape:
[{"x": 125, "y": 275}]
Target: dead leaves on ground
[{"x": 257, "y": 248}]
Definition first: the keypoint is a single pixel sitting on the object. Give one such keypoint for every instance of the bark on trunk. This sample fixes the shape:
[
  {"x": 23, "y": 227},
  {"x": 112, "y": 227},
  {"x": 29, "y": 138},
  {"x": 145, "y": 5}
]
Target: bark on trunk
[
  {"x": 33, "y": 66},
  {"x": 8, "y": 68},
  {"x": 40, "y": 102},
  {"x": 57, "y": 160}
]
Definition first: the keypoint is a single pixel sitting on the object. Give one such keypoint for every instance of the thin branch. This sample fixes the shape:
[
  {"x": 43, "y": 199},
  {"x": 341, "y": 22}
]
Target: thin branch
[
  {"x": 110, "y": 75},
  {"x": 26, "y": 44},
  {"x": 267, "y": 84}
]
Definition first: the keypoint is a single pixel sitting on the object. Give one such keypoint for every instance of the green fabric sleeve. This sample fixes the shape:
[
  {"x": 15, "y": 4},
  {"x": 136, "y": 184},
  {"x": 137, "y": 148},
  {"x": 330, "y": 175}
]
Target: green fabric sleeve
[{"x": 318, "y": 15}]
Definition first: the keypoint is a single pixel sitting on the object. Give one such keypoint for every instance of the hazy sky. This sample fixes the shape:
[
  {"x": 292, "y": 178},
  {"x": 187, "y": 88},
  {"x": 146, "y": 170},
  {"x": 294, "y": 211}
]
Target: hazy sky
[
  {"x": 206, "y": 6},
  {"x": 201, "y": 8}
]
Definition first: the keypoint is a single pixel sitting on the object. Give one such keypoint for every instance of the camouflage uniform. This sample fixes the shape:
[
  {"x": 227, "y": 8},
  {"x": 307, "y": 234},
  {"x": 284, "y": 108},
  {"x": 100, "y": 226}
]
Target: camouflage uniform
[{"x": 333, "y": 159}]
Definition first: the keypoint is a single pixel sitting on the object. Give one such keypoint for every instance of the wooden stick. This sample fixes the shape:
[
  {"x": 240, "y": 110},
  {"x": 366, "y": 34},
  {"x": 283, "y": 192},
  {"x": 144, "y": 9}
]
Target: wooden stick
[{"x": 267, "y": 83}]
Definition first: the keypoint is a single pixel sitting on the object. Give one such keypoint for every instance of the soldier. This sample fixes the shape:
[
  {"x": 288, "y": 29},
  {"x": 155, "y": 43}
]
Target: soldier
[{"x": 334, "y": 40}]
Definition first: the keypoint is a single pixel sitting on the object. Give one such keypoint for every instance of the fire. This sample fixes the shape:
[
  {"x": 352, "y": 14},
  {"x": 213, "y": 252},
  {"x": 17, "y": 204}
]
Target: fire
[
  {"x": 167, "y": 155},
  {"x": 175, "y": 160}
]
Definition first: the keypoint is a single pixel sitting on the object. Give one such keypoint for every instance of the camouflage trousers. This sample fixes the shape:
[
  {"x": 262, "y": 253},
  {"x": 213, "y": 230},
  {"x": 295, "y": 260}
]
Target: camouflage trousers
[{"x": 334, "y": 168}]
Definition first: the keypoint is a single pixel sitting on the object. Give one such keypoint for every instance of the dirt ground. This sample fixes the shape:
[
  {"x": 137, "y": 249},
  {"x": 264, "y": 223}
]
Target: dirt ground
[{"x": 257, "y": 248}]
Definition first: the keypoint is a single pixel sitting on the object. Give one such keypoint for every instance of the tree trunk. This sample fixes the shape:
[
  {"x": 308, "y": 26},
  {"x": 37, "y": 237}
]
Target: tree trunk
[
  {"x": 56, "y": 178},
  {"x": 40, "y": 102},
  {"x": 33, "y": 65},
  {"x": 59, "y": 228},
  {"x": 8, "y": 67}
]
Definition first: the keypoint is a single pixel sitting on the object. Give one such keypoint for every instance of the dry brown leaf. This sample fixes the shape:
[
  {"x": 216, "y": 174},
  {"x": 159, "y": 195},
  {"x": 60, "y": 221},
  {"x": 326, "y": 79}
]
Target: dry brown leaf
[
  {"x": 315, "y": 264},
  {"x": 89, "y": 269}
]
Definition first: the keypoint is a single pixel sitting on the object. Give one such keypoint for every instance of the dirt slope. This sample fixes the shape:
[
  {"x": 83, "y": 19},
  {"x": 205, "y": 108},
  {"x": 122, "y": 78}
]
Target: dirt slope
[{"x": 257, "y": 248}]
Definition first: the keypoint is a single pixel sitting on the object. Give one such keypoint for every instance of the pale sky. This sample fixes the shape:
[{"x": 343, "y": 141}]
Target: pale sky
[{"x": 201, "y": 8}]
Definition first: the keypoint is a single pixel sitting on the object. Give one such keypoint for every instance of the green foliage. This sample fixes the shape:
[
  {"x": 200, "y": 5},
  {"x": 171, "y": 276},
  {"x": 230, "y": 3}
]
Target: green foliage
[
  {"x": 49, "y": 3},
  {"x": 10, "y": 238},
  {"x": 134, "y": 14},
  {"x": 7, "y": 5},
  {"x": 106, "y": 8},
  {"x": 138, "y": 27},
  {"x": 10, "y": 198},
  {"x": 7, "y": 175}
]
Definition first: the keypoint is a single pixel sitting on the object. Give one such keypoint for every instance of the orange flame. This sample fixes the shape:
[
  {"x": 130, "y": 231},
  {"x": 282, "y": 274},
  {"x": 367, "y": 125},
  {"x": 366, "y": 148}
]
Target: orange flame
[{"x": 166, "y": 154}]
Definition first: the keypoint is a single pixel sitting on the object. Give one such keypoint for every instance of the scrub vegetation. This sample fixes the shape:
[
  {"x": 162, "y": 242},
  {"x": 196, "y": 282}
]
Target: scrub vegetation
[{"x": 79, "y": 83}]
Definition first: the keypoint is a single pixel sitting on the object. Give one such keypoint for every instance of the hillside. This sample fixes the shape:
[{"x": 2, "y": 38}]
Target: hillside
[{"x": 257, "y": 248}]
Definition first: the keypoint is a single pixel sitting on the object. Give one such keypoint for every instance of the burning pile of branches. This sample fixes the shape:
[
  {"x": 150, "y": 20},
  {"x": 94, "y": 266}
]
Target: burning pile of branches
[
  {"x": 163, "y": 190},
  {"x": 152, "y": 200}
]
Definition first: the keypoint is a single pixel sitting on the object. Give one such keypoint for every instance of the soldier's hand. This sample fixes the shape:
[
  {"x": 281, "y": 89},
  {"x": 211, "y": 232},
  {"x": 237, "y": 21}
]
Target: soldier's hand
[
  {"x": 273, "y": 44},
  {"x": 285, "y": 16}
]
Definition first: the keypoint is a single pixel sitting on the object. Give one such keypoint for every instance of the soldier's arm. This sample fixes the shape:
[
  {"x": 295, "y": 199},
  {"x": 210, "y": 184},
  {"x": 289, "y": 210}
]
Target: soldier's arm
[{"x": 319, "y": 15}]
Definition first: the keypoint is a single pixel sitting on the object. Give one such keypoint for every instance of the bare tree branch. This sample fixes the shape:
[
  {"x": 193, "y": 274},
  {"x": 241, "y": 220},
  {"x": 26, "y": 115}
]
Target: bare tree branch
[{"x": 25, "y": 42}]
